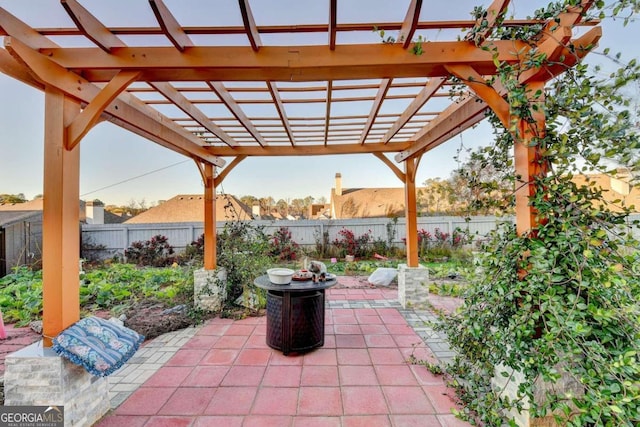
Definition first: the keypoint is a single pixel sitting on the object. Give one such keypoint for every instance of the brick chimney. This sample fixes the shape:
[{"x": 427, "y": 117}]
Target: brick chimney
[
  {"x": 338, "y": 189},
  {"x": 94, "y": 212}
]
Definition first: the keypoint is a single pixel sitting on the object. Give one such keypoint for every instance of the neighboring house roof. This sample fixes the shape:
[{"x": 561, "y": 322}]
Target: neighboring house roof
[
  {"x": 319, "y": 211},
  {"x": 36, "y": 205},
  {"x": 111, "y": 218},
  {"x": 389, "y": 202},
  {"x": 190, "y": 208},
  {"x": 8, "y": 217},
  {"x": 368, "y": 203}
]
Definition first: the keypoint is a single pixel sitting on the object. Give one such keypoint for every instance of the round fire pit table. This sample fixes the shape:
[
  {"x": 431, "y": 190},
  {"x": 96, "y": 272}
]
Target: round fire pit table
[{"x": 295, "y": 314}]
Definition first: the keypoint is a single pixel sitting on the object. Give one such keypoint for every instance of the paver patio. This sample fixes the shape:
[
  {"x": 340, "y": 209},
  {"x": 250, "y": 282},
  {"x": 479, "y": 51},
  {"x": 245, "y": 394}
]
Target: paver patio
[{"x": 224, "y": 374}]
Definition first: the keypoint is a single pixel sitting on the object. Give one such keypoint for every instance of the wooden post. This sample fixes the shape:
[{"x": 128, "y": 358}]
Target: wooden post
[
  {"x": 528, "y": 160},
  {"x": 209, "y": 218},
  {"x": 411, "y": 212},
  {"x": 61, "y": 219}
]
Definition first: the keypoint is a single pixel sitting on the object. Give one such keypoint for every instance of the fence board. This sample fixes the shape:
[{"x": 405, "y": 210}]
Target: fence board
[{"x": 117, "y": 237}]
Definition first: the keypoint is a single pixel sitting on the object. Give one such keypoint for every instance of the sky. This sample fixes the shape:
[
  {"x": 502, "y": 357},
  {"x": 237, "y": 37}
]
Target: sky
[{"x": 119, "y": 167}]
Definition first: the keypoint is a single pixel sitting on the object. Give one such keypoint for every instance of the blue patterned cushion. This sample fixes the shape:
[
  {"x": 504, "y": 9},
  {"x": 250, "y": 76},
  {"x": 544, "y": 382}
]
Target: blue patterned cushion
[{"x": 98, "y": 345}]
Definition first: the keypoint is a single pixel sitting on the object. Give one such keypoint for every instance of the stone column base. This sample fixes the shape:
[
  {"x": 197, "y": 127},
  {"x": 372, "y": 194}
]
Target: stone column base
[
  {"x": 38, "y": 376},
  {"x": 413, "y": 286},
  {"x": 508, "y": 387},
  {"x": 209, "y": 289}
]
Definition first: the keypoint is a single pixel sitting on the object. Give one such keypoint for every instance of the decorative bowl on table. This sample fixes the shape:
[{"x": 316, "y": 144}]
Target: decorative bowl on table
[
  {"x": 280, "y": 276},
  {"x": 302, "y": 276}
]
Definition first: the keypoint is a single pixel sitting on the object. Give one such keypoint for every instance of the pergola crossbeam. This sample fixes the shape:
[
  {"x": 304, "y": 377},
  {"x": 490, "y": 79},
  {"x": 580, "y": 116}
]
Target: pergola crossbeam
[
  {"x": 170, "y": 26},
  {"x": 410, "y": 23},
  {"x": 333, "y": 23},
  {"x": 327, "y": 115},
  {"x": 432, "y": 86},
  {"x": 11, "y": 25},
  {"x": 277, "y": 100},
  {"x": 238, "y": 113},
  {"x": 91, "y": 27},
  {"x": 282, "y": 63},
  {"x": 250, "y": 25},
  {"x": 167, "y": 90},
  {"x": 90, "y": 115},
  {"x": 350, "y": 147},
  {"x": 375, "y": 108},
  {"x": 124, "y": 107},
  {"x": 485, "y": 24}
]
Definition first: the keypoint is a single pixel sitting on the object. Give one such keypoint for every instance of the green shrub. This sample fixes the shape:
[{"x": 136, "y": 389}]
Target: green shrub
[
  {"x": 243, "y": 251},
  {"x": 155, "y": 252}
]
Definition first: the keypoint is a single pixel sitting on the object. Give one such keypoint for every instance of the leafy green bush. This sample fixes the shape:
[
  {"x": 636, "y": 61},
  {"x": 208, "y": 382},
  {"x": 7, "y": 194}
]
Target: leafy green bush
[
  {"x": 155, "y": 252},
  {"x": 243, "y": 251},
  {"x": 116, "y": 287},
  {"x": 21, "y": 296},
  {"x": 559, "y": 302},
  {"x": 121, "y": 285}
]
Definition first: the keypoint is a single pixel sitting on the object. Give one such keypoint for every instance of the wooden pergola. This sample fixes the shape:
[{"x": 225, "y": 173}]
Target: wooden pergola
[{"x": 164, "y": 92}]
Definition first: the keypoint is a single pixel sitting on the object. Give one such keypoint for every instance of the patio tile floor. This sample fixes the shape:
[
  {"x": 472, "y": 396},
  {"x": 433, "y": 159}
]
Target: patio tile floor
[{"x": 223, "y": 374}]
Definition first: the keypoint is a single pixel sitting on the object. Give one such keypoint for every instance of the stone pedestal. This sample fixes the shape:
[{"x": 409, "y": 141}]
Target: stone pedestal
[
  {"x": 38, "y": 376},
  {"x": 413, "y": 286},
  {"x": 209, "y": 289},
  {"x": 508, "y": 387}
]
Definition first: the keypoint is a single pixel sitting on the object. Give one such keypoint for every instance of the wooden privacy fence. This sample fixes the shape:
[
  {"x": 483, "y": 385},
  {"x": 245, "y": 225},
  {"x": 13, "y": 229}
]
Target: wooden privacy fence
[
  {"x": 20, "y": 241},
  {"x": 115, "y": 238}
]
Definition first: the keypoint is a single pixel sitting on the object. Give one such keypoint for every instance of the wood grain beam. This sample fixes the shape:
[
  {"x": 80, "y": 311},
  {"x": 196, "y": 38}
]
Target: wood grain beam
[
  {"x": 484, "y": 90},
  {"x": 18, "y": 71},
  {"x": 420, "y": 99},
  {"x": 464, "y": 113},
  {"x": 277, "y": 101},
  {"x": 309, "y": 150},
  {"x": 91, "y": 27},
  {"x": 395, "y": 169},
  {"x": 91, "y": 114},
  {"x": 250, "y": 25},
  {"x": 224, "y": 172},
  {"x": 333, "y": 23},
  {"x": 564, "y": 57},
  {"x": 281, "y": 63},
  {"x": 237, "y": 111},
  {"x": 486, "y": 23},
  {"x": 571, "y": 17},
  {"x": 12, "y": 26},
  {"x": 327, "y": 114},
  {"x": 125, "y": 108},
  {"x": 170, "y": 26},
  {"x": 297, "y": 29},
  {"x": 180, "y": 101},
  {"x": 375, "y": 108},
  {"x": 410, "y": 23}
]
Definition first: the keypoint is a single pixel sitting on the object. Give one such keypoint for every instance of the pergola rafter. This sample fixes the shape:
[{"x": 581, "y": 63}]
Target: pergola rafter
[{"x": 128, "y": 84}]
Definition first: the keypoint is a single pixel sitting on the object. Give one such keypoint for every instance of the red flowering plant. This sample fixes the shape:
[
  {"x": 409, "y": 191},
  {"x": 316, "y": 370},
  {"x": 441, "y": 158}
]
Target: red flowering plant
[
  {"x": 349, "y": 244},
  {"x": 282, "y": 245}
]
